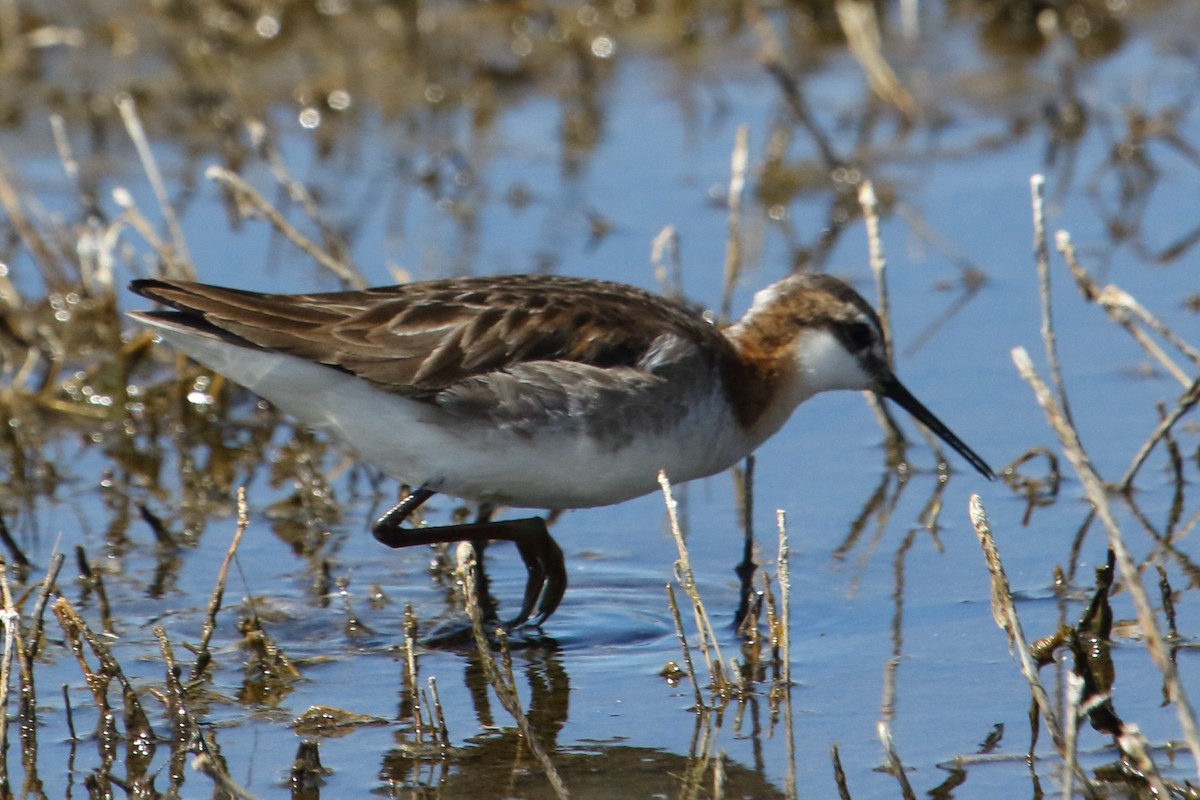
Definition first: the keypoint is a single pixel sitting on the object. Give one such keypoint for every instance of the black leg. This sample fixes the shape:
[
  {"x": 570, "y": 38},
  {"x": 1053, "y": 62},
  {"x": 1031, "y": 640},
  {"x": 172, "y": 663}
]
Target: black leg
[
  {"x": 543, "y": 558},
  {"x": 387, "y": 530},
  {"x": 745, "y": 570}
]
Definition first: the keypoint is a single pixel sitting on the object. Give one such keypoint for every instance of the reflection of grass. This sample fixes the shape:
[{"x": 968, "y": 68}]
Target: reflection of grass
[
  {"x": 173, "y": 441},
  {"x": 1091, "y": 680},
  {"x": 501, "y": 678}
]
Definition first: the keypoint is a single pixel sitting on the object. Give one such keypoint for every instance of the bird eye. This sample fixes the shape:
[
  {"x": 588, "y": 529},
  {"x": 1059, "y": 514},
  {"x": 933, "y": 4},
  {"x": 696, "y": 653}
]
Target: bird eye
[{"x": 858, "y": 335}]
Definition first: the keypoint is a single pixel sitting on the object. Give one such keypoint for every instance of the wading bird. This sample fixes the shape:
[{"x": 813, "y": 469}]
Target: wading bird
[{"x": 536, "y": 391}]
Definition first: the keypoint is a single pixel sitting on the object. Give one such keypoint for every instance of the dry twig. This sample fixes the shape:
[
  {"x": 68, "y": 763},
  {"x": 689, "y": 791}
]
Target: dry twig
[
  {"x": 733, "y": 243},
  {"x": 1005, "y": 615},
  {"x": 245, "y": 192},
  {"x": 687, "y": 579},
  {"x": 133, "y": 125},
  {"x": 1041, "y": 250},
  {"x": 203, "y": 657}
]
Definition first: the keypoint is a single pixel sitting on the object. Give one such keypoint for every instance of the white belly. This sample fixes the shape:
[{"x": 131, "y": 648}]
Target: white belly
[{"x": 422, "y": 445}]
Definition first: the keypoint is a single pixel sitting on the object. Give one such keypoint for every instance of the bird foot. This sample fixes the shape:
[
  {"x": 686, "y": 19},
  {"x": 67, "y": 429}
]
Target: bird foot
[{"x": 543, "y": 558}]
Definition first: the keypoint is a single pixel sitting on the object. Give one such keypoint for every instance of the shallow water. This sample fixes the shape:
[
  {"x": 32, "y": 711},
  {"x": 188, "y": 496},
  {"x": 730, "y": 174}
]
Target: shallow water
[{"x": 574, "y": 164}]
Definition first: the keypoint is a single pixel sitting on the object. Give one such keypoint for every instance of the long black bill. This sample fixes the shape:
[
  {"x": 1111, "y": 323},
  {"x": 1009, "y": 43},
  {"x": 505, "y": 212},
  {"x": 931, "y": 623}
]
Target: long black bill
[{"x": 892, "y": 389}]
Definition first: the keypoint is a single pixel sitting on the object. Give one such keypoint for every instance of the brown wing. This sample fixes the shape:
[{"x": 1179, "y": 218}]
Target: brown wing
[{"x": 417, "y": 339}]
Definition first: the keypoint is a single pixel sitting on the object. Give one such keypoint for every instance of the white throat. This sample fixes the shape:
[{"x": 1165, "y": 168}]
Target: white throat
[
  {"x": 824, "y": 364},
  {"x": 820, "y": 364}
]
